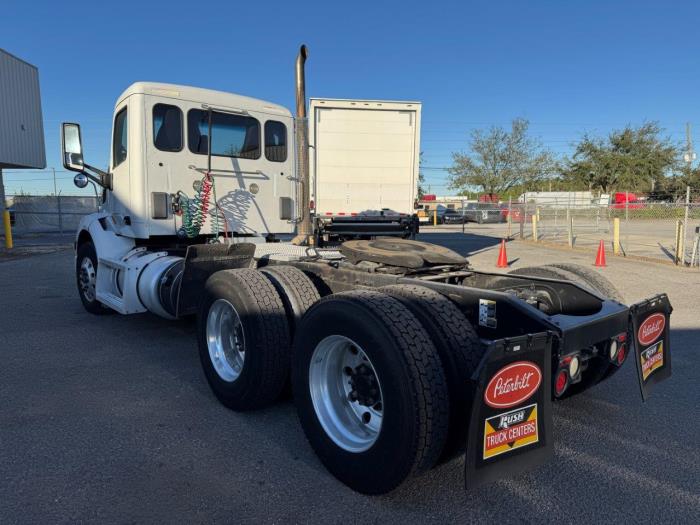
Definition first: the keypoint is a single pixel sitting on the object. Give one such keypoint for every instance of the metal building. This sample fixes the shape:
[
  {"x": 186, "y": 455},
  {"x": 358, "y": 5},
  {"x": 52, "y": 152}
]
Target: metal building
[{"x": 21, "y": 123}]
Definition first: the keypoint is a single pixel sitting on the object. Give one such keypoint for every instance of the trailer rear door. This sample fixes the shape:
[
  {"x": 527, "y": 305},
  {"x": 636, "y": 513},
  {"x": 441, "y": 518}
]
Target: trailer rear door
[{"x": 364, "y": 155}]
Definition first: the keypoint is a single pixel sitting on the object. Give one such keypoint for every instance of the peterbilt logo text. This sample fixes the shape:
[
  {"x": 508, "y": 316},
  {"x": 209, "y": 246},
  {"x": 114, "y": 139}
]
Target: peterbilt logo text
[
  {"x": 513, "y": 384},
  {"x": 652, "y": 327}
]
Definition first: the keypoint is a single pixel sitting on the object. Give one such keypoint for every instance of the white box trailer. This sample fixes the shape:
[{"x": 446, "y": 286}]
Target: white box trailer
[
  {"x": 364, "y": 165},
  {"x": 560, "y": 199}
]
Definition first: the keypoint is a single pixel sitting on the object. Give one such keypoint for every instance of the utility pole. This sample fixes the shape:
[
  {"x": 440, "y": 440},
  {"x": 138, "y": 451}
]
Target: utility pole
[{"x": 689, "y": 156}]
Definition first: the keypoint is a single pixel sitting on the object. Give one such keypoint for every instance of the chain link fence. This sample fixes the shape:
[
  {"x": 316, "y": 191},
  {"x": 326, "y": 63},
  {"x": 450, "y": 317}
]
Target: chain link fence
[
  {"x": 664, "y": 228},
  {"x": 666, "y": 231},
  {"x": 34, "y": 214}
]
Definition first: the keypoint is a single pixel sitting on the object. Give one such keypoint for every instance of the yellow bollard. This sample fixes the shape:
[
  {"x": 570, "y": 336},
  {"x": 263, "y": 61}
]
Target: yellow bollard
[
  {"x": 616, "y": 236},
  {"x": 534, "y": 228},
  {"x": 8, "y": 229},
  {"x": 434, "y": 217}
]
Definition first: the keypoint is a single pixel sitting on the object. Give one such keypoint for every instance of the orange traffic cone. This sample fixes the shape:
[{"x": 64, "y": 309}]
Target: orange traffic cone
[
  {"x": 600, "y": 256},
  {"x": 502, "y": 261}
]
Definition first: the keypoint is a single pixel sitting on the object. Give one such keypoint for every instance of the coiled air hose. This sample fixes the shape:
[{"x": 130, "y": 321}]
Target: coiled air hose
[{"x": 195, "y": 210}]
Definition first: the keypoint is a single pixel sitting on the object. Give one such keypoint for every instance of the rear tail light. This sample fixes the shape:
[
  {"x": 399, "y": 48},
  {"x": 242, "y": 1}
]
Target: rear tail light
[
  {"x": 617, "y": 352},
  {"x": 621, "y": 354},
  {"x": 561, "y": 382},
  {"x": 574, "y": 366}
]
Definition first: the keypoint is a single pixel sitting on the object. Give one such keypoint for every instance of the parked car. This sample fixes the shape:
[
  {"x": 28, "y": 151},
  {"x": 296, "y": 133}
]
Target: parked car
[
  {"x": 451, "y": 216},
  {"x": 483, "y": 212}
]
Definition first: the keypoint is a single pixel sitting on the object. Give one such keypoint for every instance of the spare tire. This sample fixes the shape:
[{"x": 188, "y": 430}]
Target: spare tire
[{"x": 399, "y": 252}]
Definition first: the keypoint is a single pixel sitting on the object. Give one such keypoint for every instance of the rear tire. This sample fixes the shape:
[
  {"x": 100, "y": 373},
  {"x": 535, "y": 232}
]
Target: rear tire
[
  {"x": 586, "y": 278},
  {"x": 296, "y": 290},
  {"x": 411, "y": 421},
  {"x": 86, "y": 279},
  {"x": 458, "y": 346},
  {"x": 593, "y": 279},
  {"x": 577, "y": 274},
  {"x": 244, "y": 340}
]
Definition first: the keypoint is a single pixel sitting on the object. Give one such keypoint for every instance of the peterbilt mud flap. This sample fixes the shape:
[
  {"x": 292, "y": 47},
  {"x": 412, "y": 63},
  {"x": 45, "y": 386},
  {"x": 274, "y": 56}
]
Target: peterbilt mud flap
[
  {"x": 510, "y": 427},
  {"x": 650, "y": 330}
]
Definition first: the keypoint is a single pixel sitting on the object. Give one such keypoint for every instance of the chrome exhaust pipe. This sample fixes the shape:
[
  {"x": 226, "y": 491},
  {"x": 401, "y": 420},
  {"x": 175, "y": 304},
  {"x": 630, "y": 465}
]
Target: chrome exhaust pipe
[
  {"x": 305, "y": 228},
  {"x": 301, "y": 81}
]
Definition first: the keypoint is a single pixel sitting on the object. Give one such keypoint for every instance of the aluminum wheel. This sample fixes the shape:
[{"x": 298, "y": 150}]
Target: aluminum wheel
[
  {"x": 87, "y": 277},
  {"x": 346, "y": 393},
  {"x": 225, "y": 340}
]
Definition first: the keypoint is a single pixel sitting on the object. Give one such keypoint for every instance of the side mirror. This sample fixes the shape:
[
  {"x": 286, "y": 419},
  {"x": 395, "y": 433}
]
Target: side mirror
[
  {"x": 72, "y": 148},
  {"x": 81, "y": 180}
]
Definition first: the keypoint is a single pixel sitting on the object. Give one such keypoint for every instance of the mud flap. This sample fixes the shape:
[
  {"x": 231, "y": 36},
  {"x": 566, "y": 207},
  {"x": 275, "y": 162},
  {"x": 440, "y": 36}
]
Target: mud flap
[
  {"x": 650, "y": 329},
  {"x": 510, "y": 426},
  {"x": 201, "y": 261}
]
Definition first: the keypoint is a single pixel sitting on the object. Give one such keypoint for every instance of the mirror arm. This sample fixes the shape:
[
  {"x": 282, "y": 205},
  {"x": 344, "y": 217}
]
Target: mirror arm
[{"x": 104, "y": 179}]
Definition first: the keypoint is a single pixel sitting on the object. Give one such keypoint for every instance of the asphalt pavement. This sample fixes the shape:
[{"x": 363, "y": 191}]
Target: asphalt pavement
[{"x": 109, "y": 419}]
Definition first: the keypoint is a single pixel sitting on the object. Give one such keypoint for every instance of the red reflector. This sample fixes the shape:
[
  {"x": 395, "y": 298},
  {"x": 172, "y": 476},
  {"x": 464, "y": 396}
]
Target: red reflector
[
  {"x": 353, "y": 214},
  {"x": 621, "y": 355},
  {"x": 329, "y": 213},
  {"x": 622, "y": 337},
  {"x": 561, "y": 383},
  {"x": 341, "y": 213},
  {"x": 312, "y": 205}
]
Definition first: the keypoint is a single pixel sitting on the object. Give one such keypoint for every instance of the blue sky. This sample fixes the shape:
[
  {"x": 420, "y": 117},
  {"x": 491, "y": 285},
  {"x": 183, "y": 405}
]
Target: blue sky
[{"x": 567, "y": 66}]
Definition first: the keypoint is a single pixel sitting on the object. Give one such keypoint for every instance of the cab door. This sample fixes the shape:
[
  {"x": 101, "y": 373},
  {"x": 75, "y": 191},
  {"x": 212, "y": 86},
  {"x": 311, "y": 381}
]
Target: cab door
[{"x": 119, "y": 199}]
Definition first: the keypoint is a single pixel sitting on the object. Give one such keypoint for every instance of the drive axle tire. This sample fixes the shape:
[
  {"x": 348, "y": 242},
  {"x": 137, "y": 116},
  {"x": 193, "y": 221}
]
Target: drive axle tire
[
  {"x": 86, "y": 279},
  {"x": 577, "y": 274},
  {"x": 593, "y": 279},
  {"x": 296, "y": 289},
  {"x": 243, "y": 337},
  {"x": 369, "y": 389},
  {"x": 458, "y": 346}
]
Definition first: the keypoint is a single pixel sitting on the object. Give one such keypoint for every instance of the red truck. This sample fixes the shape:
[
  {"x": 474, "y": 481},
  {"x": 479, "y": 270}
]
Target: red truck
[{"x": 622, "y": 200}]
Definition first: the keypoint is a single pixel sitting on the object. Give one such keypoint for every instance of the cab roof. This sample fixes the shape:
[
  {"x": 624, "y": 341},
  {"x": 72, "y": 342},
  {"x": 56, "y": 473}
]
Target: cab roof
[{"x": 203, "y": 96}]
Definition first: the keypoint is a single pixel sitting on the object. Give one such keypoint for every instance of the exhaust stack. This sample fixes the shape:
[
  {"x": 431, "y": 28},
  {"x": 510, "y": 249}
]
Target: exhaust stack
[{"x": 305, "y": 229}]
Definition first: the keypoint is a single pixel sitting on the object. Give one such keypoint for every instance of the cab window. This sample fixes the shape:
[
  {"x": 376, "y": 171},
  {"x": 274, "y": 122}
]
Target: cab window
[
  {"x": 275, "y": 141},
  {"x": 119, "y": 145},
  {"x": 233, "y": 135},
  {"x": 167, "y": 127}
]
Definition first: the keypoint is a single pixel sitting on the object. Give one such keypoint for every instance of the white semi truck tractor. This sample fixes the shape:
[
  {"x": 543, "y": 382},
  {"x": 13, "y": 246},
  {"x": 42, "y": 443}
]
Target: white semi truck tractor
[{"x": 400, "y": 355}]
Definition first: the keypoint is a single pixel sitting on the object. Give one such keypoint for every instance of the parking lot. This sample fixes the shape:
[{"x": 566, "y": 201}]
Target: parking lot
[{"x": 110, "y": 419}]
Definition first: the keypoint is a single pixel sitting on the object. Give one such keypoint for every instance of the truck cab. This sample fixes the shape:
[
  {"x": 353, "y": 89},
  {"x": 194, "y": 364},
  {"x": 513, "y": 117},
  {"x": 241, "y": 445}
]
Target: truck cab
[{"x": 160, "y": 155}]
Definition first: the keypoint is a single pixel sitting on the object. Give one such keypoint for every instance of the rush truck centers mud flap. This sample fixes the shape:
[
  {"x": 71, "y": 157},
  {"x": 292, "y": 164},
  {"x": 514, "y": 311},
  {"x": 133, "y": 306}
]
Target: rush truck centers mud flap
[
  {"x": 510, "y": 426},
  {"x": 650, "y": 330},
  {"x": 511, "y": 416}
]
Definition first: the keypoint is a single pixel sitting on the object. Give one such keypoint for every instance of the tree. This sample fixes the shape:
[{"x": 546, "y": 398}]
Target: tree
[
  {"x": 499, "y": 159},
  {"x": 630, "y": 158},
  {"x": 421, "y": 178}
]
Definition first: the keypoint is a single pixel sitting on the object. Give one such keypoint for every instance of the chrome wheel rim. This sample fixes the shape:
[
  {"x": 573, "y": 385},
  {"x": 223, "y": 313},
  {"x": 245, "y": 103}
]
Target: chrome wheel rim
[
  {"x": 87, "y": 277},
  {"x": 225, "y": 340},
  {"x": 346, "y": 393}
]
